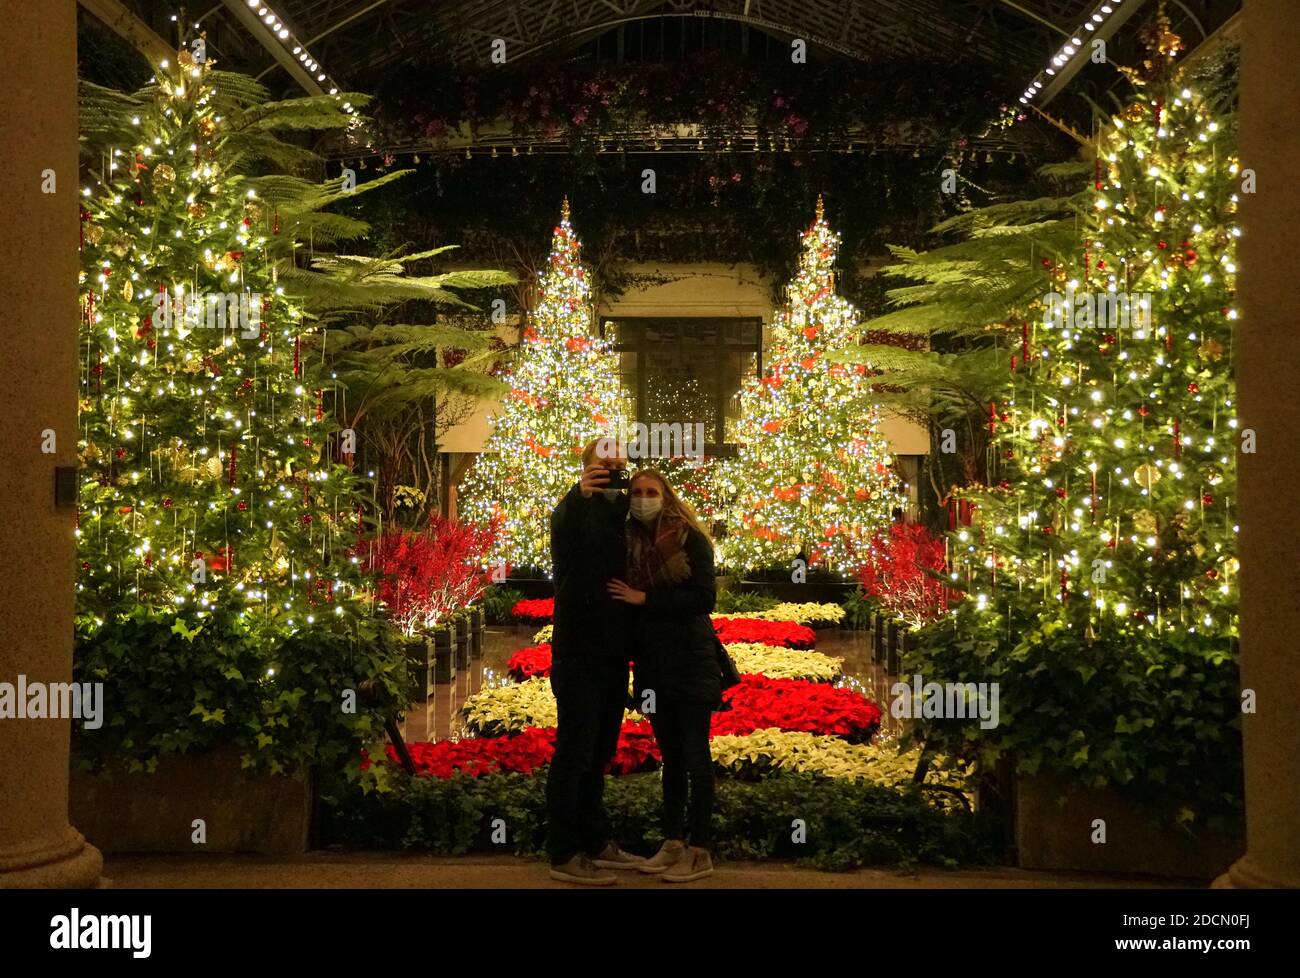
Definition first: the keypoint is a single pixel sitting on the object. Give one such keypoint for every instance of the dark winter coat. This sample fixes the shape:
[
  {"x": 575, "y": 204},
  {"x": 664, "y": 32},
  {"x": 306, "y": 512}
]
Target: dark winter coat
[
  {"x": 588, "y": 549},
  {"x": 674, "y": 647}
]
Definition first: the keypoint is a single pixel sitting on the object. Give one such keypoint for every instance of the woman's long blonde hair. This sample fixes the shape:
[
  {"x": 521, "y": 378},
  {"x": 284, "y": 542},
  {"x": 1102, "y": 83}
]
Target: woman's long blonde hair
[{"x": 674, "y": 505}]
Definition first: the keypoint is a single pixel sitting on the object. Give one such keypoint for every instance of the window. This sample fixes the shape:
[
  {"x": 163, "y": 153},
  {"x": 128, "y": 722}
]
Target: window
[{"x": 687, "y": 370}]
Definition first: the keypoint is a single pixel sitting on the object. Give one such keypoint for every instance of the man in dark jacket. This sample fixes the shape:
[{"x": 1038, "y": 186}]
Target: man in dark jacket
[{"x": 589, "y": 669}]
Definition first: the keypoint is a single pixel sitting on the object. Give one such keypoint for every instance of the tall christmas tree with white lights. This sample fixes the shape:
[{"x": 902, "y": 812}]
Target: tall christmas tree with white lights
[
  {"x": 206, "y": 435},
  {"x": 564, "y": 391},
  {"x": 1118, "y": 438},
  {"x": 813, "y": 477}
]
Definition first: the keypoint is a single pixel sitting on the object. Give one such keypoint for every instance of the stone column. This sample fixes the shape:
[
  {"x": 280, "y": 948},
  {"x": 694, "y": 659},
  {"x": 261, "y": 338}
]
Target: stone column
[
  {"x": 38, "y": 392},
  {"x": 1268, "y": 375}
]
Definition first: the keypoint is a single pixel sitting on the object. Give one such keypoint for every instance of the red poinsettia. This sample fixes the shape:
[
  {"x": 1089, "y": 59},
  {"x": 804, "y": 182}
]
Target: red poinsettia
[
  {"x": 523, "y": 752},
  {"x": 534, "y": 609},
  {"x": 796, "y": 704},
  {"x": 530, "y": 662},
  {"x": 783, "y": 634},
  {"x": 421, "y": 577},
  {"x": 899, "y": 570}
]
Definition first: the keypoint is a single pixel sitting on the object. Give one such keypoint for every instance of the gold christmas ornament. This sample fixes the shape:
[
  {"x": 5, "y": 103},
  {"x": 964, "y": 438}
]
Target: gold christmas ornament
[
  {"x": 128, "y": 290},
  {"x": 197, "y": 211},
  {"x": 1146, "y": 476},
  {"x": 93, "y": 233},
  {"x": 163, "y": 175},
  {"x": 1211, "y": 350},
  {"x": 207, "y": 126},
  {"x": 1144, "y": 521},
  {"x": 120, "y": 247},
  {"x": 212, "y": 468}
]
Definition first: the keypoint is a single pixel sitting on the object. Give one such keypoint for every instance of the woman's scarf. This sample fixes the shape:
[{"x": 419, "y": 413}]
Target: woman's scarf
[{"x": 656, "y": 555}]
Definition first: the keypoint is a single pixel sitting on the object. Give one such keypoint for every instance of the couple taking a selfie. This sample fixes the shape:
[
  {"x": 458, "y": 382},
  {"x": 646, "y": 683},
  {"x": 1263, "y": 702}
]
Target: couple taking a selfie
[{"x": 634, "y": 581}]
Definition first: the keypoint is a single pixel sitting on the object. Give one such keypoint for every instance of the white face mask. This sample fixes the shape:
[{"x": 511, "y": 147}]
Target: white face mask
[{"x": 646, "y": 508}]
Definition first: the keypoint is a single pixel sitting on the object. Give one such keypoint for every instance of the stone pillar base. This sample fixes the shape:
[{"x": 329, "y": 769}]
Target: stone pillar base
[{"x": 71, "y": 864}]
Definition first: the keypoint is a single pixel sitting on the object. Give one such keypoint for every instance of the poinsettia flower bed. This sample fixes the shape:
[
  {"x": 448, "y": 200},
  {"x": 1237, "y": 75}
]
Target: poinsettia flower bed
[
  {"x": 529, "y": 663},
  {"x": 752, "y": 658},
  {"x": 759, "y": 701},
  {"x": 796, "y": 704},
  {"x": 787, "y": 634},
  {"x": 534, "y": 609},
  {"x": 523, "y": 752}
]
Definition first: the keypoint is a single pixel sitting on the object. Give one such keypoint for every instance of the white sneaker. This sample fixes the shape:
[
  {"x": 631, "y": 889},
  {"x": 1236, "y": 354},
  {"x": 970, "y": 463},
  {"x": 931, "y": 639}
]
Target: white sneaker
[
  {"x": 668, "y": 855},
  {"x": 695, "y": 864}
]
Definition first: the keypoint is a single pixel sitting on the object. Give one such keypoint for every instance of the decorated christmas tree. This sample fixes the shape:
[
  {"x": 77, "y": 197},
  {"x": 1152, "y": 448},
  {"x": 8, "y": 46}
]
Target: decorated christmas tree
[
  {"x": 564, "y": 391},
  {"x": 209, "y": 475},
  {"x": 813, "y": 478},
  {"x": 1100, "y": 569},
  {"x": 1118, "y": 437}
]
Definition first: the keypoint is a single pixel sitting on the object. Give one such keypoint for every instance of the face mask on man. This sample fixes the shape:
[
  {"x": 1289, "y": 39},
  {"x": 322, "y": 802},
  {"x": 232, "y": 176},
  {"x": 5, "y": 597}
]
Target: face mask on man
[{"x": 646, "y": 508}]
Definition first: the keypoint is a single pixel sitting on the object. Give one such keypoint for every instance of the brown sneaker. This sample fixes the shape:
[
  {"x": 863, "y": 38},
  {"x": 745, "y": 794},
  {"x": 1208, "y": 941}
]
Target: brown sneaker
[
  {"x": 668, "y": 855},
  {"x": 695, "y": 864},
  {"x": 612, "y": 857},
  {"x": 580, "y": 869}
]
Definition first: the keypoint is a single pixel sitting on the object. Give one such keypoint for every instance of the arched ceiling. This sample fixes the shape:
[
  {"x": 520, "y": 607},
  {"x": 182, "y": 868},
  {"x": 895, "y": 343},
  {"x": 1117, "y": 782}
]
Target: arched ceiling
[{"x": 356, "y": 37}]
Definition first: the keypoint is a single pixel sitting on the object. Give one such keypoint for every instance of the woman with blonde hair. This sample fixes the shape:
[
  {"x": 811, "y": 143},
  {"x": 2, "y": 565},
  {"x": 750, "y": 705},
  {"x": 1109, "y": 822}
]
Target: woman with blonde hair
[{"x": 671, "y": 590}]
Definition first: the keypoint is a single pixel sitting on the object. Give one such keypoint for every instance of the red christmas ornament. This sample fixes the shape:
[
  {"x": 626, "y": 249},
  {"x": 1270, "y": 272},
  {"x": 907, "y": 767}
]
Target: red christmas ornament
[
  {"x": 1060, "y": 492},
  {"x": 242, "y": 505},
  {"x": 306, "y": 519},
  {"x": 1207, "y": 500},
  {"x": 167, "y": 503},
  {"x": 1047, "y": 531},
  {"x": 234, "y": 458},
  {"x": 1193, "y": 388}
]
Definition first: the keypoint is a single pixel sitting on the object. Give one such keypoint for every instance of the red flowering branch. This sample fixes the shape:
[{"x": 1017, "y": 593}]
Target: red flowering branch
[
  {"x": 902, "y": 570},
  {"x": 424, "y": 576}
]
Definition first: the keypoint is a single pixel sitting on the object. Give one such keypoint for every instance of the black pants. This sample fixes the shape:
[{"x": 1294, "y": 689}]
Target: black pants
[
  {"x": 589, "y": 697},
  {"x": 682, "y": 730}
]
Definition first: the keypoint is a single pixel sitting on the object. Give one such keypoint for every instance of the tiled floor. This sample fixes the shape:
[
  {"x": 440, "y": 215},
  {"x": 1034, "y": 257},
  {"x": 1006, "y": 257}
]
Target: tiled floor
[{"x": 441, "y": 716}]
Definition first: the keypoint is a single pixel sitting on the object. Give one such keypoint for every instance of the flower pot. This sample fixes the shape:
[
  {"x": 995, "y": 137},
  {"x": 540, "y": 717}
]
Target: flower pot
[
  {"x": 461, "y": 624},
  {"x": 120, "y": 812},
  {"x": 476, "y": 629},
  {"x": 876, "y": 636},
  {"x": 444, "y": 654},
  {"x": 1056, "y": 828},
  {"x": 419, "y": 659}
]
